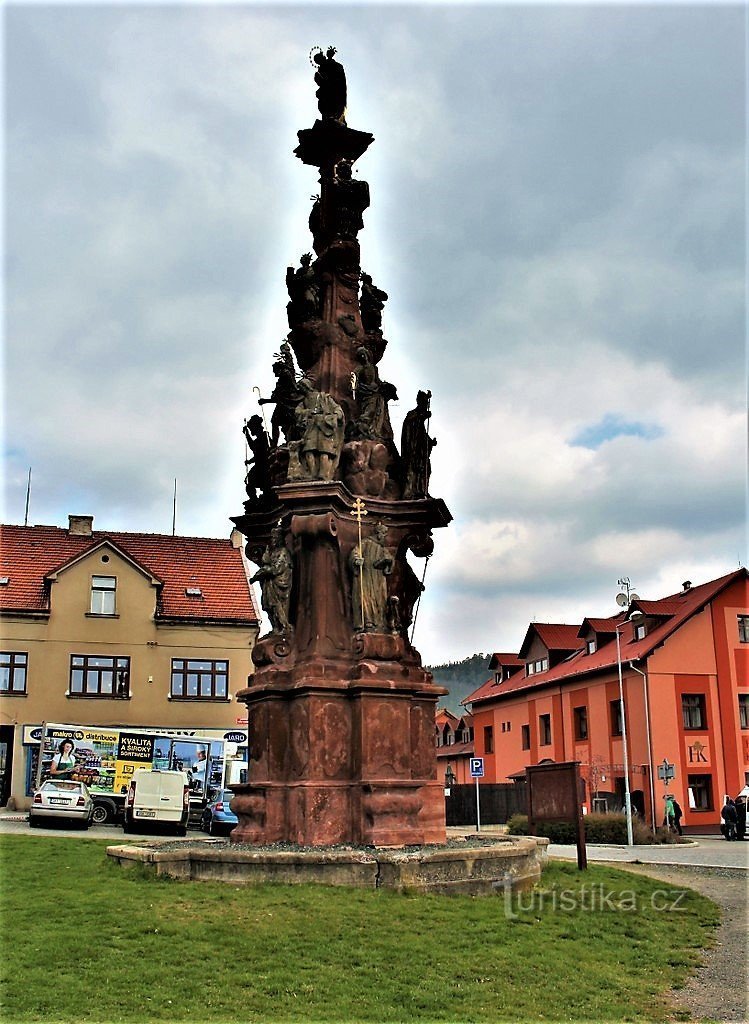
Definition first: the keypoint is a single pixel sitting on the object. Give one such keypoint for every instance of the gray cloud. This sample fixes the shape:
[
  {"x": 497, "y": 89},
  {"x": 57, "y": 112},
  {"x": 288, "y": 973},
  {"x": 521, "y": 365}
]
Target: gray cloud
[{"x": 557, "y": 216}]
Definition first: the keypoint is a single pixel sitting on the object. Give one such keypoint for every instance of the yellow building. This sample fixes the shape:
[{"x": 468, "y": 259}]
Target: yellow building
[{"x": 117, "y": 629}]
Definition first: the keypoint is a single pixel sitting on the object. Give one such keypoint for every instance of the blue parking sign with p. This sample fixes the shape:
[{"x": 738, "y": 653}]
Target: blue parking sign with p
[{"x": 477, "y": 767}]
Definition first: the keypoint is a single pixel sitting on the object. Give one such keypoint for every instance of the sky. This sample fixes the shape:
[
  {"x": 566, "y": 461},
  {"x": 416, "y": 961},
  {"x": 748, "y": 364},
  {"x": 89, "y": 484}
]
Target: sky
[{"x": 557, "y": 216}]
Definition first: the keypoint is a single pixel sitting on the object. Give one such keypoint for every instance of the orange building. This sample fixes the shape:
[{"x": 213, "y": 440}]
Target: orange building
[
  {"x": 454, "y": 739},
  {"x": 685, "y": 678}
]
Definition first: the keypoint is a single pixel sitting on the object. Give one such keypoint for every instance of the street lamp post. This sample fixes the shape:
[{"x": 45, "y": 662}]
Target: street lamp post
[{"x": 627, "y": 800}]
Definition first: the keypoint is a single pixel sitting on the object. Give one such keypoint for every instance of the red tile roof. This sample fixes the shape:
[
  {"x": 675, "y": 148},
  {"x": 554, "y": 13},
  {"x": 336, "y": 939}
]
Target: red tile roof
[
  {"x": 555, "y": 636},
  {"x": 601, "y": 625},
  {"x": 502, "y": 660},
  {"x": 491, "y": 687},
  {"x": 28, "y": 554},
  {"x": 674, "y": 609}
]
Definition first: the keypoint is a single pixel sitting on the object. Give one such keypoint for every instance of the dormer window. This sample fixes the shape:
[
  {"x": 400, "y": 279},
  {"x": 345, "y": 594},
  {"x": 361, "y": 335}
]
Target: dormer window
[
  {"x": 640, "y": 631},
  {"x": 497, "y": 677},
  {"x": 103, "y": 591},
  {"x": 591, "y": 646},
  {"x": 540, "y": 665}
]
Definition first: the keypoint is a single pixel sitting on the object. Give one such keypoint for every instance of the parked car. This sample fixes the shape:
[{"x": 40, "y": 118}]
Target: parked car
[
  {"x": 62, "y": 799},
  {"x": 218, "y": 817},
  {"x": 157, "y": 798}
]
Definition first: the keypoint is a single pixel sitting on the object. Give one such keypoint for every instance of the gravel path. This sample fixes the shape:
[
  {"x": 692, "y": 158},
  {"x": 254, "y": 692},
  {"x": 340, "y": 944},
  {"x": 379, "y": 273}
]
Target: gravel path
[{"x": 717, "y": 990}]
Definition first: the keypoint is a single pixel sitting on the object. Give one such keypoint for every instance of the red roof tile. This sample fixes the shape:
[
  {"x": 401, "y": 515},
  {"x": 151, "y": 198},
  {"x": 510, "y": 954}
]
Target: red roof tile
[
  {"x": 502, "y": 660},
  {"x": 677, "y": 607},
  {"x": 28, "y": 554},
  {"x": 491, "y": 687},
  {"x": 555, "y": 636},
  {"x": 601, "y": 625}
]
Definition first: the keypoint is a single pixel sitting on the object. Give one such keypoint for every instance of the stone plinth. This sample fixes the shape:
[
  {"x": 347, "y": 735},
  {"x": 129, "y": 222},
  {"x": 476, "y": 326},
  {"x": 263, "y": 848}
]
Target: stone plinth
[
  {"x": 341, "y": 721},
  {"x": 472, "y": 868}
]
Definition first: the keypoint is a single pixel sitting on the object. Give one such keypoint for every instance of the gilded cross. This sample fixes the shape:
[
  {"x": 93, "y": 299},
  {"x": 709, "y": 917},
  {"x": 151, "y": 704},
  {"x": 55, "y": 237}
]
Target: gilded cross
[{"x": 358, "y": 512}]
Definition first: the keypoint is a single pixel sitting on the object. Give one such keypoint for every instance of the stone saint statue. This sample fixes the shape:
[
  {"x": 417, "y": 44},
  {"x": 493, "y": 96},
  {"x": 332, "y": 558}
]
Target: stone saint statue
[
  {"x": 274, "y": 577},
  {"x": 319, "y": 424},
  {"x": 373, "y": 394},
  {"x": 258, "y": 473},
  {"x": 286, "y": 396},
  {"x": 304, "y": 292},
  {"x": 370, "y": 568},
  {"x": 416, "y": 447},
  {"x": 349, "y": 200},
  {"x": 330, "y": 79},
  {"x": 372, "y": 302}
]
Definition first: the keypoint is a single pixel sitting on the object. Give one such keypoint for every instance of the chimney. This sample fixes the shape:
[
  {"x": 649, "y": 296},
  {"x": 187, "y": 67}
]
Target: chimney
[
  {"x": 687, "y": 584},
  {"x": 80, "y": 526}
]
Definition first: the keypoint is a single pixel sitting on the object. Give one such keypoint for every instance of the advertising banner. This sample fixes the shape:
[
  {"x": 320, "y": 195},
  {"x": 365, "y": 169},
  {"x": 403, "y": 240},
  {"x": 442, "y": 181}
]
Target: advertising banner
[
  {"x": 81, "y": 754},
  {"x": 105, "y": 759},
  {"x": 134, "y": 750}
]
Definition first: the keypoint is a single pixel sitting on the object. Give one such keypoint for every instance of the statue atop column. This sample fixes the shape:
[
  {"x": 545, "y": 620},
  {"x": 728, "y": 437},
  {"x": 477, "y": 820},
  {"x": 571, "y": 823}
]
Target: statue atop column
[{"x": 330, "y": 79}]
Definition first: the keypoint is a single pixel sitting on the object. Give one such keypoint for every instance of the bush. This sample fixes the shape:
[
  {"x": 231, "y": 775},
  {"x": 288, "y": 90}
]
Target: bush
[
  {"x": 517, "y": 825},
  {"x": 599, "y": 828}
]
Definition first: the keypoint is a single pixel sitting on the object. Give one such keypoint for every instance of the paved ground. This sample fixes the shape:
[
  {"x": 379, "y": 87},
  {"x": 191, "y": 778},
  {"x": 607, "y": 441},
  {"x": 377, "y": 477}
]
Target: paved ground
[
  {"x": 16, "y": 823},
  {"x": 707, "y": 851}
]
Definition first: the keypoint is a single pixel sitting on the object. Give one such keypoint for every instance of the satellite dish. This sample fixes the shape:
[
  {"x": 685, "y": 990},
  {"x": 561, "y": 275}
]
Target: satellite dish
[
  {"x": 634, "y": 597},
  {"x": 621, "y": 600}
]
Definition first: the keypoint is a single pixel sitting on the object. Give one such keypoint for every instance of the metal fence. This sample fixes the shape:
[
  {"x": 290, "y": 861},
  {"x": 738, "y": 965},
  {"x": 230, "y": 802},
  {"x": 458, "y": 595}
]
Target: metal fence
[{"x": 497, "y": 801}]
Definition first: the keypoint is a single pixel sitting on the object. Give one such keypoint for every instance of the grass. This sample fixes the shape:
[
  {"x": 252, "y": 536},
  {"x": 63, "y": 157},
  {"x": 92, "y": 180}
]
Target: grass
[{"x": 86, "y": 941}]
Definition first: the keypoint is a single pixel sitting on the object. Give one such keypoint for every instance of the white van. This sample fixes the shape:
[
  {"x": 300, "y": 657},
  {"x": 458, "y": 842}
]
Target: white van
[{"x": 157, "y": 798}]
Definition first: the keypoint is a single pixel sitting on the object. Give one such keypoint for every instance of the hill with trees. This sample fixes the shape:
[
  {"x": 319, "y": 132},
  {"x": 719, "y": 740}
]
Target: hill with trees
[{"x": 461, "y": 678}]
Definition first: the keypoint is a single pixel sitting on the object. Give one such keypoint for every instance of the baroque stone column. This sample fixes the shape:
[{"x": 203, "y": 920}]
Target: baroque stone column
[{"x": 341, "y": 712}]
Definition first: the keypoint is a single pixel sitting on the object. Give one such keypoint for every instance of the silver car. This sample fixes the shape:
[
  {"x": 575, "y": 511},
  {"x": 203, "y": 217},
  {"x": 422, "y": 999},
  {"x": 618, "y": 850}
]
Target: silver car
[{"x": 61, "y": 799}]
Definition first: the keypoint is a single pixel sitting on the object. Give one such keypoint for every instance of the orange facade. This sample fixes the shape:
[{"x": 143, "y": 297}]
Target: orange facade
[{"x": 686, "y": 696}]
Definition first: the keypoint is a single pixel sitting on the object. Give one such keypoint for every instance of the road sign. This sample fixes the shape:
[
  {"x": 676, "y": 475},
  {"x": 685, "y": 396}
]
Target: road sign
[
  {"x": 477, "y": 767},
  {"x": 666, "y": 771}
]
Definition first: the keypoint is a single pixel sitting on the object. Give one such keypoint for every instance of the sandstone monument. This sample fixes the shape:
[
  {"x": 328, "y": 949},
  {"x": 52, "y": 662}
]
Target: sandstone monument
[{"x": 341, "y": 711}]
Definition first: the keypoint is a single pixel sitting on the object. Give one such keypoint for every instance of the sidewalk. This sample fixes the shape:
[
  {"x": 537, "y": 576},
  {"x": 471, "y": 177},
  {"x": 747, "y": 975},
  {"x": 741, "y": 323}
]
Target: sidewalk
[{"x": 709, "y": 852}]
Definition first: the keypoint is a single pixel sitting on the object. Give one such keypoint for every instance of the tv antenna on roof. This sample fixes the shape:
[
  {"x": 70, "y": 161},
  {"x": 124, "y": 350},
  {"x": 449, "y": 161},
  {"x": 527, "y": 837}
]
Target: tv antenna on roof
[{"x": 623, "y": 599}]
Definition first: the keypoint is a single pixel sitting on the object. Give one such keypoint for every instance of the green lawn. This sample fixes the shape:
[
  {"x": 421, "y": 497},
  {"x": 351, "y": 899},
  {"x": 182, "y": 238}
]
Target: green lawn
[{"x": 85, "y": 941}]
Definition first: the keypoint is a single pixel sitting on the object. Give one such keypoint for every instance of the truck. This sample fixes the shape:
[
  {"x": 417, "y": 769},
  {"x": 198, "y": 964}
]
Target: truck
[{"x": 107, "y": 758}]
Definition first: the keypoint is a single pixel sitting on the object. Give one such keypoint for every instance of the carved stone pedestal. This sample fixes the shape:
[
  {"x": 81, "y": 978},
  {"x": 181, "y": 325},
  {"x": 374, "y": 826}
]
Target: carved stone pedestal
[{"x": 341, "y": 720}]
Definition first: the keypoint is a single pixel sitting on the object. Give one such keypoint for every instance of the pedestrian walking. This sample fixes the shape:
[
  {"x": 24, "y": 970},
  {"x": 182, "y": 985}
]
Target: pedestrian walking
[{"x": 669, "y": 816}]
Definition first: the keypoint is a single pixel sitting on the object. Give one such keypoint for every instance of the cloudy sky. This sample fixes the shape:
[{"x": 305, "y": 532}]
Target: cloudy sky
[{"x": 557, "y": 215}]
